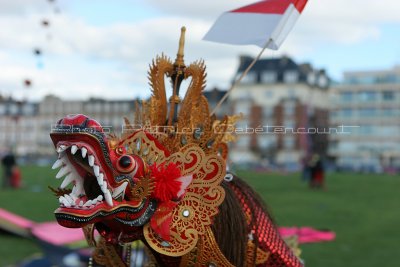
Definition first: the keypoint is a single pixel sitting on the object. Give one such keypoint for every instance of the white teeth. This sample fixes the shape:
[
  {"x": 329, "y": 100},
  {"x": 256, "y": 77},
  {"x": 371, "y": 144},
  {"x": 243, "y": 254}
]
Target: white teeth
[
  {"x": 69, "y": 199},
  {"x": 91, "y": 160},
  {"x": 100, "y": 198},
  {"x": 65, "y": 202},
  {"x": 96, "y": 170},
  {"x": 88, "y": 203},
  {"x": 77, "y": 190},
  {"x": 84, "y": 152},
  {"x": 120, "y": 190},
  {"x": 74, "y": 148},
  {"x": 57, "y": 164},
  {"x": 108, "y": 198},
  {"x": 81, "y": 203},
  {"x": 63, "y": 171},
  {"x": 61, "y": 148},
  {"x": 104, "y": 187},
  {"x": 68, "y": 179},
  {"x": 100, "y": 179},
  {"x": 78, "y": 187}
]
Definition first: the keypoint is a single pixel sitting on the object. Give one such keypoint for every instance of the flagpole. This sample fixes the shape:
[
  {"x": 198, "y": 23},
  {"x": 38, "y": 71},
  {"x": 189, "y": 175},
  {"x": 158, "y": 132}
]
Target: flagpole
[{"x": 241, "y": 77}]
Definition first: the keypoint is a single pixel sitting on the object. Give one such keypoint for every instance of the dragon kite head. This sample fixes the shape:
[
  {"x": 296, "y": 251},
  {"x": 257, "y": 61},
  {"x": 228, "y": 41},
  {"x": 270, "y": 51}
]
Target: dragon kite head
[
  {"x": 101, "y": 175},
  {"x": 153, "y": 178}
]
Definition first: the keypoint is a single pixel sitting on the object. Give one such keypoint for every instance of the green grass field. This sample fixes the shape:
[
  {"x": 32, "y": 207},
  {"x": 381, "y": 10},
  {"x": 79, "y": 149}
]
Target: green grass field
[{"x": 362, "y": 209}]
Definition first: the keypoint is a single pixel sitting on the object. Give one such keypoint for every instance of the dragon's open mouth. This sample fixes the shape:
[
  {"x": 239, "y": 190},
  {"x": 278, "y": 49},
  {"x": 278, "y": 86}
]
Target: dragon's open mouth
[
  {"x": 81, "y": 169},
  {"x": 92, "y": 197}
]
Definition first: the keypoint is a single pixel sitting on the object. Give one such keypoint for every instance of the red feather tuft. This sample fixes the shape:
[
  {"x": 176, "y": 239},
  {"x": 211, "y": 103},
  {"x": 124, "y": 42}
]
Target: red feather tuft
[{"x": 167, "y": 183}]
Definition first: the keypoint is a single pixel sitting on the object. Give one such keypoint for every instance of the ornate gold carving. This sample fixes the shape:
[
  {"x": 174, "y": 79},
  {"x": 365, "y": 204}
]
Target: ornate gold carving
[
  {"x": 88, "y": 231},
  {"x": 106, "y": 254},
  {"x": 142, "y": 188},
  {"x": 139, "y": 143},
  {"x": 158, "y": 102},
  {"x": 255, "y": 256},
  {"x": 209, "y": 252},
  {"x": 202, "y": 198}
]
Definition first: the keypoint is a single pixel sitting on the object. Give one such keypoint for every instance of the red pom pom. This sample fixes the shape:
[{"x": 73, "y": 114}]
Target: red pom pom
[{"x": 167, "y": 183}]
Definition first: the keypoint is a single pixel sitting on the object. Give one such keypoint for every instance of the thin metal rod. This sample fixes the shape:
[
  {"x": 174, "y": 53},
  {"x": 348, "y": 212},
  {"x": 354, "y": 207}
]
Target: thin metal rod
[{"x": 241, "y": 77}]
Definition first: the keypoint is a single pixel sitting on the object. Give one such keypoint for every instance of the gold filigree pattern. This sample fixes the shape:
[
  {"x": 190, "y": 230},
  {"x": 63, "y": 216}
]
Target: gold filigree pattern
[
  {"x": 144, "y": 145},
  {"x": 142, "y": 188},
  {"x": 255, "y": 255},
  {"x": 209, "y": 252},
  {"x": 195, "y": 211},
  {"x": 106, "y": 255},
  {"x": 88, "y": 232}
]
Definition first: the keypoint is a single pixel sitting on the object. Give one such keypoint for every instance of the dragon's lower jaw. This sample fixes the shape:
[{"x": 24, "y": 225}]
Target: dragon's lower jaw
[{"x": 126, "y": 215}]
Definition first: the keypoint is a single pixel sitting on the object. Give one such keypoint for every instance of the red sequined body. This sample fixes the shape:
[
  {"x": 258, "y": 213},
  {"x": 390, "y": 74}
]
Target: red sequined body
[{"x": 264, "y": 231}]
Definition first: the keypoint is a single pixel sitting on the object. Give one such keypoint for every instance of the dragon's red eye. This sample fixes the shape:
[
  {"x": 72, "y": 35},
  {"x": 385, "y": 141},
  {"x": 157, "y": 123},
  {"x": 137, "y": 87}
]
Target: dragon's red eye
[{"x": 126, "y": 164}]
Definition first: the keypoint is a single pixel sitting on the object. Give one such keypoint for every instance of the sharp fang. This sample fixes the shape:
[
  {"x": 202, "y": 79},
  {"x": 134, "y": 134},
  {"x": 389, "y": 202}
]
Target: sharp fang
[
  {"x": 96, "y": 170},
  {"x": 68, "y": 179},
  {"x": 100, "y": 198},
  {"x": 100, "y": 179},
  {"x": 120, "y": 190},
  {"x": 81, "y": 203},
  {"x": 57, "y": 164},
  {"x": 77, "y": 190},
  {"x": 108, "y": 198},
  {"x": 61, "y": 148},
  {"x": 84, "y": 152},
  {"x": 61, "y": 200},
  {"x": 63, "y": 171},
  {"x": 104, "y": 187},
  {"x": 91, "y": 160},
  {"x": 74, "y": 148}
]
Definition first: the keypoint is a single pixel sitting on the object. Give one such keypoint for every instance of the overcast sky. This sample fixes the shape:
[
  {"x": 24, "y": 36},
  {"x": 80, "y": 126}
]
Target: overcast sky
[{"x": 102, "y": 48}]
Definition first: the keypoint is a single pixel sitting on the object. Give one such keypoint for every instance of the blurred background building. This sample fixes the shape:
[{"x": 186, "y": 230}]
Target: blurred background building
[
  {"x": 25, "y": 126},
  {"x": 281, "y": 96},
  {"x": 371, "y": 101},
  {"x": 288, "y": 109}
]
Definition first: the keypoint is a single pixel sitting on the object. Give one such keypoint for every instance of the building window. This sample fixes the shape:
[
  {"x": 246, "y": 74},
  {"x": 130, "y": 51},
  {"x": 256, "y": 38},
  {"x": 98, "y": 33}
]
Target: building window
[
  {"x": 288, "y": 142},
  {"x": 290, "y": 124},
  {"x": 367, "y": 96},
  {"x": 250, "y": 78},
  {"x": 347, "y": 112},
  {"x": 268, "y": 112},
  {"x": 312, "y": 78},
  {"x": 291, "y": 76},
  {"x": 388, "y": 95},
  {"x": 346, "y": 96},
  {"x": 268, "y": 77},
  {"x": 13, "y": 109},
  {"x": 290, "y": 108},
  {"x": 367, "y": 112},
  {"x": 390, "y": 112},
  {"x": 365, "y": 130},
  {"x": 2, "y": 109}
]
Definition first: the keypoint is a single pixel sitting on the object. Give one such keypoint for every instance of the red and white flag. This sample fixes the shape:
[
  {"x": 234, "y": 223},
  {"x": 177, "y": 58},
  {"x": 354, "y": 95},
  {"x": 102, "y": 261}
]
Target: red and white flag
[{"x": 266, "y": 21}]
